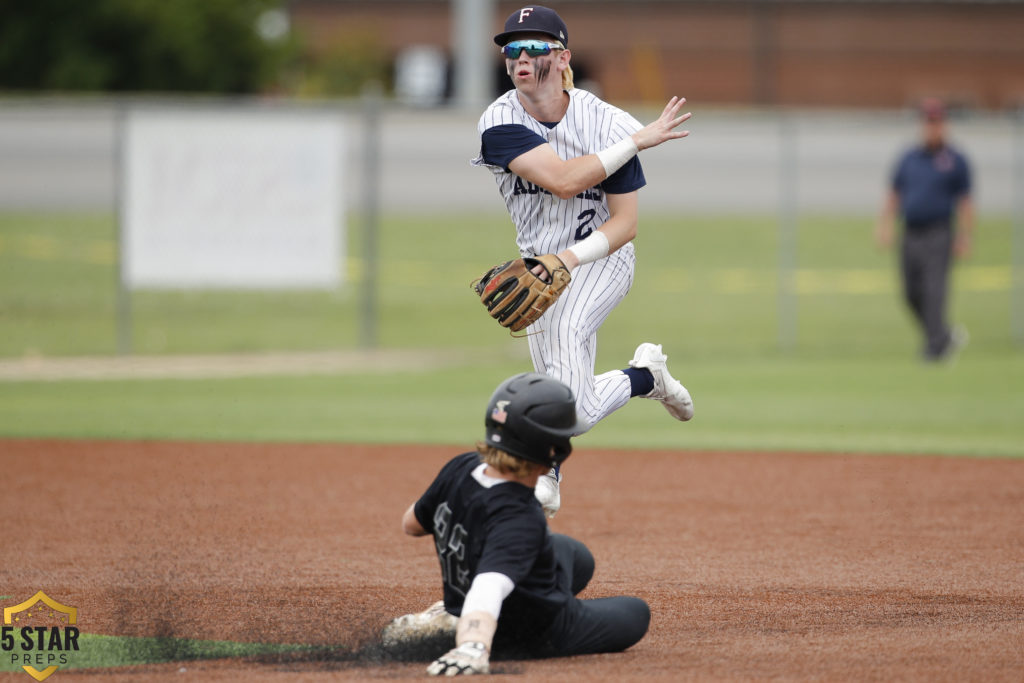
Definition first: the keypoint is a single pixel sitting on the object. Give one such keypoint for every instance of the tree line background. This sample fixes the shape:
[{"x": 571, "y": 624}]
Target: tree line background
[{"x": 177, "y": 46}]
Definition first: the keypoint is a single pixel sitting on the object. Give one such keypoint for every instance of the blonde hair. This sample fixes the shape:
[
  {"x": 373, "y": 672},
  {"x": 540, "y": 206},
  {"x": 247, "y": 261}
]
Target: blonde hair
[
  {"x": 567, "y": 74},
  {"x": 567, "y": 78},
  {"x": 506, "y": 463}
]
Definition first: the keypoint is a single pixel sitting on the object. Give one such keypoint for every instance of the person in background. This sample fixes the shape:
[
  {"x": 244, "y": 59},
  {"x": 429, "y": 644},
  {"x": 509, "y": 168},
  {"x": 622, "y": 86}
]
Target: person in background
[{"x": 930, "y": 191}]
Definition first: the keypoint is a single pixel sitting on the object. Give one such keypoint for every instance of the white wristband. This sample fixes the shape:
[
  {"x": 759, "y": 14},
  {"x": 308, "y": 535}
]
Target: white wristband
[
  {"x": 591, "y": 249},
  {"x": 615, "y": 157}
]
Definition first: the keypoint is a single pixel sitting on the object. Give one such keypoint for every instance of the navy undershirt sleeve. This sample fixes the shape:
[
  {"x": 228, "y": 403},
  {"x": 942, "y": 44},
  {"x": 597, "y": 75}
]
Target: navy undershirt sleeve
[
  {"x": 501, "y": 144},
  {"x": 627, "y": 179}
]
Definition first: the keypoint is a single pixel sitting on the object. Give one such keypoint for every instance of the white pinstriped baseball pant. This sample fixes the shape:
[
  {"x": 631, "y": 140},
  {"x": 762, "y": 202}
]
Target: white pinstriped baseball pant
[{"x": 563, "y": 343}]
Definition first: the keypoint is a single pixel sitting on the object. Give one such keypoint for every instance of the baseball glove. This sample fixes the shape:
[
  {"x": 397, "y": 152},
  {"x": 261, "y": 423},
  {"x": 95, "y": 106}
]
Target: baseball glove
[{"x": 515, "y": 296}]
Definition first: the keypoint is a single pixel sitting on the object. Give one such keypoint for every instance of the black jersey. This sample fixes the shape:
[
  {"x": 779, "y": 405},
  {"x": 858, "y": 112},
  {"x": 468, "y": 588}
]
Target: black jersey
[{"x": 502, "y": 529}]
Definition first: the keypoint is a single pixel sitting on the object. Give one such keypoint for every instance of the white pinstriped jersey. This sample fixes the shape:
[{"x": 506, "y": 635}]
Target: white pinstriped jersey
[
  {"x": 563, "y": 342},
  {"x": 544, "y": 223}
]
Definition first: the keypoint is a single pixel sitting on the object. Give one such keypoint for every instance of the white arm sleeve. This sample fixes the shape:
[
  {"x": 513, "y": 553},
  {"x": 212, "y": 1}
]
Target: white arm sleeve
[
  {"x": 615, "y": 157},
  {"x": 487, "y": 593}
]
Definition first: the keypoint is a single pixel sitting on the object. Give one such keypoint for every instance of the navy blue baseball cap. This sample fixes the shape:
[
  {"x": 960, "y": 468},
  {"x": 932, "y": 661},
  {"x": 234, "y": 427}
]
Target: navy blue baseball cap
[{"x": 534, "y": 19}]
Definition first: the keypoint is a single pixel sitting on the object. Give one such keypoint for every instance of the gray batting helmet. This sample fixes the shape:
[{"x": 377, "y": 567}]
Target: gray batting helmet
[{"x": 533, "y": 416}]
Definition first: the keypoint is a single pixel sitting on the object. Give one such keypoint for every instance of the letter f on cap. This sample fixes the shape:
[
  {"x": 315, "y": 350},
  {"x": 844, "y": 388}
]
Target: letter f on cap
[{"x": 525, "y": 12}]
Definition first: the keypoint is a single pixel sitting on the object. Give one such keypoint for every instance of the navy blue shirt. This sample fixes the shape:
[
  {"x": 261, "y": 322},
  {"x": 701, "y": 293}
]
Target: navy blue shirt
[
  {"x": 501, "y": 144},
  {"x": 498, "y": 529},
  {"x": 929, "y": 184}
]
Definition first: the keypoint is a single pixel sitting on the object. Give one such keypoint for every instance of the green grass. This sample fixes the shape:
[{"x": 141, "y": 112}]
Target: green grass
[
  {"x": 707, "y": 287},
  {"x": 970, "y": 408},
  {"x": 100, "y": 651},
  {"x": 844, "y": 377}
]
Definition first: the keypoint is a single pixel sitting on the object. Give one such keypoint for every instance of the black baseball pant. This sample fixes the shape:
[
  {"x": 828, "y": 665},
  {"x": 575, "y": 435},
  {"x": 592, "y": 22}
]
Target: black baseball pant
[
  {"x": 926, "y": 257},
  {"x": 581, "y": 626},
  {"x": 596, "y": 625}
]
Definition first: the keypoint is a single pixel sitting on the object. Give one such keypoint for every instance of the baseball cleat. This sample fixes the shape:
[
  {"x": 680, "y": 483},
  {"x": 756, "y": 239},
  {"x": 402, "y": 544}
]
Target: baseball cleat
[
  {"x": 958, "y": 338},
  {"x": 667, "y": 389},
  {"x": 433, "y": 622},
  {"x": 547, "y": 492}
]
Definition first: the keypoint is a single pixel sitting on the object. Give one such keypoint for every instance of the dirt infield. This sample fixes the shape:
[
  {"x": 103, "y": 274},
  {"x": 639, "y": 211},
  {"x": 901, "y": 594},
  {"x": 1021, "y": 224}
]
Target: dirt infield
[{"x": 756, "y": 565}]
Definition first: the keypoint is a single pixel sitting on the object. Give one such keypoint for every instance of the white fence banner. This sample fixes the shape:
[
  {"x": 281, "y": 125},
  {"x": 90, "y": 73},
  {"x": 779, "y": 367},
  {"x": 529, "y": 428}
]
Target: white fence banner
[{"x": 231, "y": 198}]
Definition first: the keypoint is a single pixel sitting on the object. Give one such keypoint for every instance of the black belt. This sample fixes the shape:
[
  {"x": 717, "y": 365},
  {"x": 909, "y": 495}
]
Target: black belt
[{"x": 929, "y": 226}]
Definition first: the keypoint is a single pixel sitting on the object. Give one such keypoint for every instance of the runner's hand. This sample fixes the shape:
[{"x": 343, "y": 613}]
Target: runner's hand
[{"x": 467, "y": 659}]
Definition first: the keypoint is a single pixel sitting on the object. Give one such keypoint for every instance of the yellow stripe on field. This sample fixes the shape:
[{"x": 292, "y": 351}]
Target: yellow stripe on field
[
  {"x": 983, "y": 278},
  {"x": 102, "y": 253},
  {"x": 40, "y": 248},
  {"x": 675, "y": 280},
  {"x": 737, "y": 280},
  {"x": 856, "y": 281}
]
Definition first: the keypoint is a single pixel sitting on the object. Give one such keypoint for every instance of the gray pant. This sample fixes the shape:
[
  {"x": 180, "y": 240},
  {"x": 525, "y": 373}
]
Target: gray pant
[{"x": 926, "y": 258}]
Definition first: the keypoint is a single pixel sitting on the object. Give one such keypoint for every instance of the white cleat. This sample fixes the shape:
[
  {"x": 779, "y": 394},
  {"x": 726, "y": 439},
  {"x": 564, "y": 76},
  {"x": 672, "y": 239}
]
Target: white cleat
[
  {"x": 547, "y": 492},
  {"x": 667, "y": 388},
  {"x": 958, "y": 339},
  {"x": 410, "y": 628}
]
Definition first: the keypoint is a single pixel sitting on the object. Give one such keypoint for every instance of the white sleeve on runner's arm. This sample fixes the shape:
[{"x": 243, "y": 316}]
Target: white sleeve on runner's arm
[{"x": 487, "y": 593}]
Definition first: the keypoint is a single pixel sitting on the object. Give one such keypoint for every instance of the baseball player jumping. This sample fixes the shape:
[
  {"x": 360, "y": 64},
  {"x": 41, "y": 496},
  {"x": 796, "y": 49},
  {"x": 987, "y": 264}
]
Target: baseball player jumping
[
  {"x": 510, "y": 584},
  {"x": 566, "y": 165}
]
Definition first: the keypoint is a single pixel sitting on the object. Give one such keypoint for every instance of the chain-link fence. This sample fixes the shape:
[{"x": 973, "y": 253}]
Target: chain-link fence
[{"x": 784, "y": 167}]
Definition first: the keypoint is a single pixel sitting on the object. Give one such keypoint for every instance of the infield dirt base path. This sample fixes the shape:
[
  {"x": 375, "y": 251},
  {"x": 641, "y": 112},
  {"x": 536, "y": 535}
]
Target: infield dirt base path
[{"x": 756, "y": 565}]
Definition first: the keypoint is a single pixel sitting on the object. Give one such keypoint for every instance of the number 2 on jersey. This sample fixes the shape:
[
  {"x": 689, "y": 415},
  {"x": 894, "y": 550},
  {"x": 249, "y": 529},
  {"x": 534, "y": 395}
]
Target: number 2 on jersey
[{"x": 584, "y": 228}]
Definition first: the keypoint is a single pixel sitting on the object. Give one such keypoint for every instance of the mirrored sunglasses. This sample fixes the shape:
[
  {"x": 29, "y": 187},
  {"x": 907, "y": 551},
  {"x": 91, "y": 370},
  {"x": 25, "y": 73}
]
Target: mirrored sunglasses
[{"x": 534, "y": 48}]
